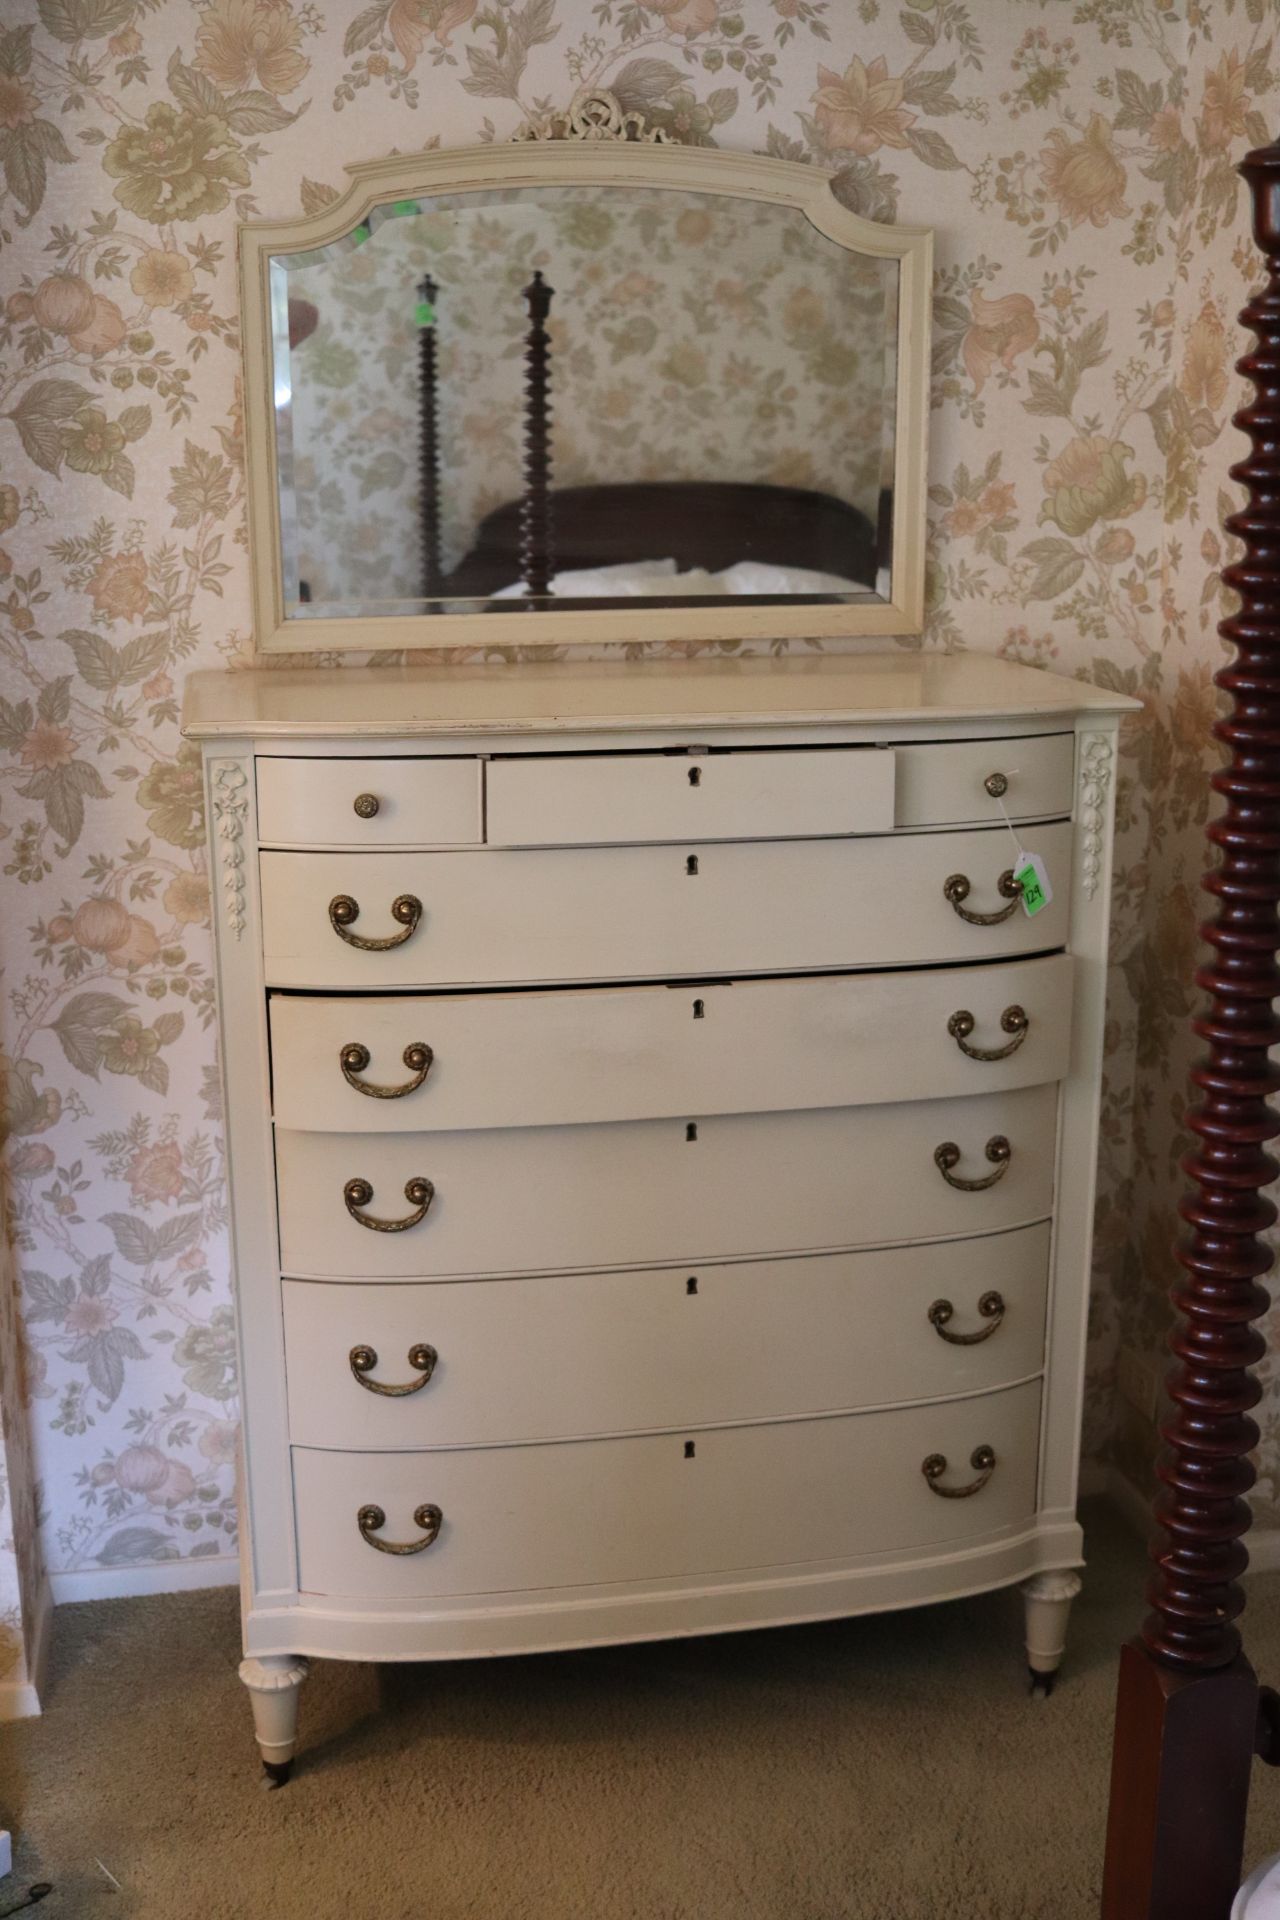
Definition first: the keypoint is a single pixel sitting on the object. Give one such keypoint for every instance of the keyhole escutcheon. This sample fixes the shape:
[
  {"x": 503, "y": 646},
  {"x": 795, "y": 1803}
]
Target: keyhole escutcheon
[
  {"x": 691, "y": 864},
  {"x": 695, "y": 776}
]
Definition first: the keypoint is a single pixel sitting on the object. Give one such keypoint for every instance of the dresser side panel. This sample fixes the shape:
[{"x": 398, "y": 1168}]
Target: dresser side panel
[
  {"x": 1079, "y": 1114},
  {"x": 268, "y": 1555}
]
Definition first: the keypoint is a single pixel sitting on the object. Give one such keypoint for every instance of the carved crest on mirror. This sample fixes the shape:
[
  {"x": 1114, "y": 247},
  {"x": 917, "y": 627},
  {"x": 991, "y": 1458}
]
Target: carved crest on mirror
[
  {"x": 594, "y": 114},
  {"x": 593, "y": 384}
]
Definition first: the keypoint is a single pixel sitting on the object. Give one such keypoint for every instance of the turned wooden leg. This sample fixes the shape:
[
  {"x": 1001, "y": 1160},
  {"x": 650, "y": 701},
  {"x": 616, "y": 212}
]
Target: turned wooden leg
[
  {"x": 273, "y": 1682},
  {"x": 1047, "y": 1598}
]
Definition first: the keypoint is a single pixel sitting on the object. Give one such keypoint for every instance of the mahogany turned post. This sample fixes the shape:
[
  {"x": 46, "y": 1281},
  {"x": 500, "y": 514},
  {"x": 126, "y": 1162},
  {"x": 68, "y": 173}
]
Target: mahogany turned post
[
  {"x": 1190, "y": 1715},
  {"x": 535, "y": 508},
  {"x": 428, "y": 438}
]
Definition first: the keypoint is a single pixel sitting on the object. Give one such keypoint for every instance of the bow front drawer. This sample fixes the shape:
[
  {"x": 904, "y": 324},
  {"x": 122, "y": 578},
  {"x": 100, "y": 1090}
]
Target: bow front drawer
[
  {"x": 482, "y": 1362},
  {"x": 650, "y": 1192},
  {"x": 388, "y": 1063},
  {"x": 369, "y": 803},
  {"x": 510, "y": 918},
  {"x": 415, "y": 1526}
]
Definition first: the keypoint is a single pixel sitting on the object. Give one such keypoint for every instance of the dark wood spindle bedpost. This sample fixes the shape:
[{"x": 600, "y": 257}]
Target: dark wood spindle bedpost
[
  {"x": 429, "y": 438},
  {"x": 1190, "y": 1715},
  {"x": 535, "y": 509}
]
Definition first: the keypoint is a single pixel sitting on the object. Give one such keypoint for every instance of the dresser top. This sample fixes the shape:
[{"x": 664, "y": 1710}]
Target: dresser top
[{"x": 574, "y": 696}]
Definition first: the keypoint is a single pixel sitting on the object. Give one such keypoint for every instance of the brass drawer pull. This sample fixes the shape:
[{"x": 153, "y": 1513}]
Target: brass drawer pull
[
  {"x": 421, "y": 1356},
  {"x": 956, "y": 890},
  {"x": 366, "y": 805},
  {"x": 998, "y": 1151},
  {"x": 991, "y": 1307},
  {"x": 358, "y": 1193},
  {"x": 997, "y": 785},
  {"x": 427, "y": 1516},
  {"x": 982, "y": 1460},
  {"x": 354, "y": 1058},
  {"x": 1013, "y": 1020},
  {"x": 343, "y": 911}
]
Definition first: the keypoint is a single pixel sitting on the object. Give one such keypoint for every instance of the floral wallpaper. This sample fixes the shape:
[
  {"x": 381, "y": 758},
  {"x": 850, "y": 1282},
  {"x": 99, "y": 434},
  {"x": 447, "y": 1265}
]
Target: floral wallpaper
[
  {"x": 693, "y": 337},
  {"x": 1075, "y": 157}
]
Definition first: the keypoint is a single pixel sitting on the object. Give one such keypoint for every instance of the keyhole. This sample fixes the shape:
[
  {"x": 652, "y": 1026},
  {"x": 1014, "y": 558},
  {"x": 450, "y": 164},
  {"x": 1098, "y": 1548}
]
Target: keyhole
[
  {"x": 691, "y": 864},
  {"x": 691, "y": 1284},
  {"x": 688, "y": 1450},
  {"x": 691, "y": 1131},
  {"x": 695, "y": 776},
  {"x": 699, "y": 1010}
]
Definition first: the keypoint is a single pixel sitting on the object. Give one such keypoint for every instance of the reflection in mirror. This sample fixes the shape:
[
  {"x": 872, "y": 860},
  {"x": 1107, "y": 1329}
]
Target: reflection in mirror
[{"x": 695, "y": 397}]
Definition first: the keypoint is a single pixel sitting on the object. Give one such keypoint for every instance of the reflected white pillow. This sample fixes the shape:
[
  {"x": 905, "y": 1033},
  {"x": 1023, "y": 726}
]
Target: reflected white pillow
[{"x": 636, "y": 579}]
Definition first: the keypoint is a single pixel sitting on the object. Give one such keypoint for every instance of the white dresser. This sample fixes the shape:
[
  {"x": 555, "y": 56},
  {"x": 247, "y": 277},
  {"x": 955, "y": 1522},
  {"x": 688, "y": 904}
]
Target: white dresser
[{"x": 662, "y": 1144}]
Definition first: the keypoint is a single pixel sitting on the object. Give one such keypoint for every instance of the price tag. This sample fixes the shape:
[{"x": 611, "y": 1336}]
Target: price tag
[
  {"x": 424, "y": 314},
  {"x": 1031, "y": 874}
]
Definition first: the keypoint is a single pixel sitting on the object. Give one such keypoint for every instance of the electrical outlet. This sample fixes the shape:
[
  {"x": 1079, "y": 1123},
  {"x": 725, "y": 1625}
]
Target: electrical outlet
[{"x": 1139, "y": 1383}]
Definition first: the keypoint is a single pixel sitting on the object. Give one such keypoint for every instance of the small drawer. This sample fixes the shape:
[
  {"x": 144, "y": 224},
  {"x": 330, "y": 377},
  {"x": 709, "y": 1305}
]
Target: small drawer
[
  {"x": 963, "y": 782},
  {"x": 653, "y": 1192},
  {"x": 486, "y": 1362},
  {"x": 766, "y": 794},
  {"x": 506, "y": 918},
  {"x": 654, "y": 1506},
  {"x": 369, "y": 803},
  {"x": 390, "y": 1063}
]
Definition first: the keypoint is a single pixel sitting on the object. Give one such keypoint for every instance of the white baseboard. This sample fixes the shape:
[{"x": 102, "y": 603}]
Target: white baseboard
[
  {"x": 20, "y": 1699},
  {"x": 157, "y": 1576}
]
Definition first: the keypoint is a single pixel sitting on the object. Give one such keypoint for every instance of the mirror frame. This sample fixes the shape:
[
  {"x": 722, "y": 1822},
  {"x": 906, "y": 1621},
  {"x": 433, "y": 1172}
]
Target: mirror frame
[{"x": 588, "y": 160}]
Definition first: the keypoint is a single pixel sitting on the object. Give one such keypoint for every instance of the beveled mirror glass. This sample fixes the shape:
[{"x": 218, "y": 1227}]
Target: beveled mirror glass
[{"x": 579, "y": 391}]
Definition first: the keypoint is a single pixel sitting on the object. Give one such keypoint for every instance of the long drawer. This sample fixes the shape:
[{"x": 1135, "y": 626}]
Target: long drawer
[
  {"x": 558, "y": 1356},
  {"x": 649, "y": 1192},
  {"x": 638, "y": 1053},
  {"x": 504, "y": 918},
  {"x": 569, "y": 799},
  {"x": 592, "y": 1512}
]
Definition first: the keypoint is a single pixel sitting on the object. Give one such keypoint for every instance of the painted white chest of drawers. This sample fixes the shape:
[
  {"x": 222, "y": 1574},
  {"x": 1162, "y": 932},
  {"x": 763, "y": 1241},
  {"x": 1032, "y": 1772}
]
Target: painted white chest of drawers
[{"x": 662, "y": 1145}]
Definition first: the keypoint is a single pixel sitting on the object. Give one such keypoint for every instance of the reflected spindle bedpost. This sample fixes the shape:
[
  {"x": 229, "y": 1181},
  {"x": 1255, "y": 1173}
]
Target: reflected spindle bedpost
[
  {"x": 1190, "y": 1714},
  {"x": 535, "y": 509},
  {"x": 429, "y": 436}
]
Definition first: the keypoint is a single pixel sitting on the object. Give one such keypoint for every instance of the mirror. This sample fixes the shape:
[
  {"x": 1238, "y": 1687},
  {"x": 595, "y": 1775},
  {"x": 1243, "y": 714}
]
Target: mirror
[{"x": 667, "y": 386}]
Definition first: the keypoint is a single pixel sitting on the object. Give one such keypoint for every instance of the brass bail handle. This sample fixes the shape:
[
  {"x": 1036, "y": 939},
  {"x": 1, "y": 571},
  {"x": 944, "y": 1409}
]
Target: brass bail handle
[
  {"x": 1013, "y": 1020},
  {"x": 983, "y": 1462},
  {"x": 947, "y": 1156},
  {"x": 991, "y": 1307},
  {"x": 354, "y": 1058},
  {"x": 956, "y": 889},
  {"x": 363, "y": 1360},
  {"x": 428, "y": 1516},
  {"x": 344, "y": 911},
  {"x": 358, "y": 1193}
]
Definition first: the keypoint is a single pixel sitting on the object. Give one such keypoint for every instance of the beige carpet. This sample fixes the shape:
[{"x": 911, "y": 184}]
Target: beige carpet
[{"x": 883, "y": 1769}]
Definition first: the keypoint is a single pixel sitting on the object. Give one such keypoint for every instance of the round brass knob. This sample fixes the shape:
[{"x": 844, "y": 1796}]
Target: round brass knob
[
  {"x": 996, "y": 784},
  {"x": 366, "y": 805}
]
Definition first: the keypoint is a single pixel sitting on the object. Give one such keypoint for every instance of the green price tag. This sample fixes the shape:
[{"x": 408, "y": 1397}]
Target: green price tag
[
  {"x": 1034, "y": 881},
  {"x": 424, "y": 314},
  {"x": 404, "y": 206},
  {"x": 359, "y": 235}
]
